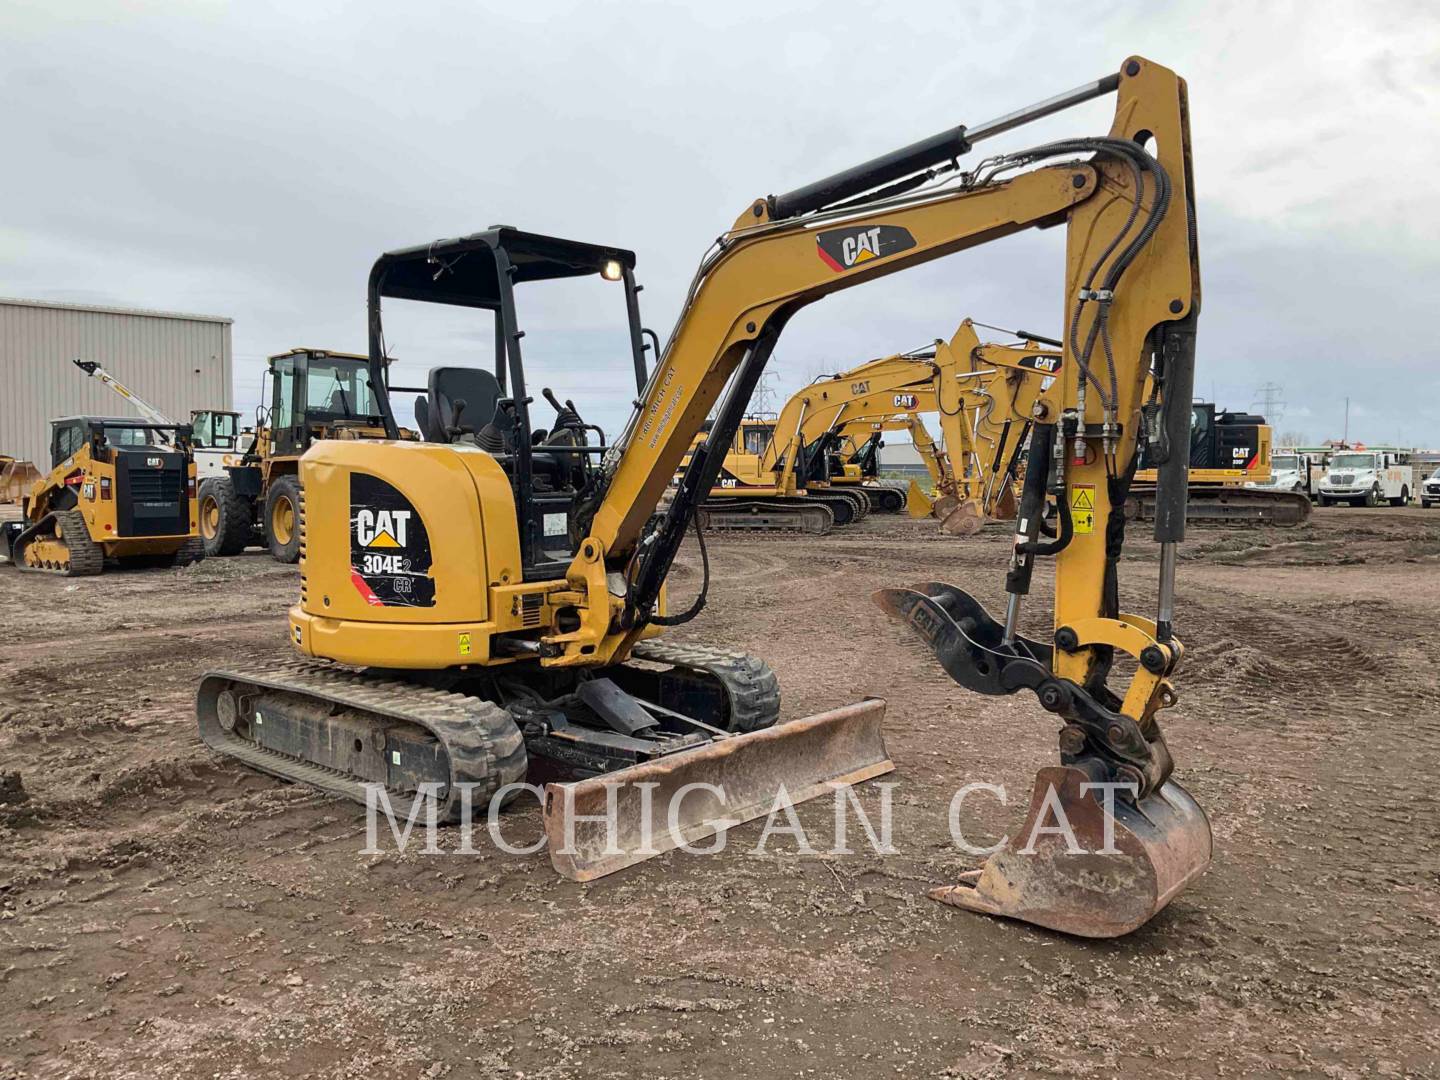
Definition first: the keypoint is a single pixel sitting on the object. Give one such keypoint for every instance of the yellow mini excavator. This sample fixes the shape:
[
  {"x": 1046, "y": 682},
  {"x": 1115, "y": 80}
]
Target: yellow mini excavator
[{"x": 487, "y": 604}]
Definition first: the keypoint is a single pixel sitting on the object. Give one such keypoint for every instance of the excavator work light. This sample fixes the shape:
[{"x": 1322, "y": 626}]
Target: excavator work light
[{"x": 612, "y": 270}]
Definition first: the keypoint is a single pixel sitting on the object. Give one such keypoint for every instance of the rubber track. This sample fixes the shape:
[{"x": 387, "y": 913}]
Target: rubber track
[
  {"x": 484, "y": 745},
  {"x": 750, "y": 685},
  {"x": 86, "y": 558}
]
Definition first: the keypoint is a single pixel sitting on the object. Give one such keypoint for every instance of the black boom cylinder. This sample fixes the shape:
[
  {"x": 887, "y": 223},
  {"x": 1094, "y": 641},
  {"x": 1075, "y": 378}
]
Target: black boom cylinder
[
  {"x": 895, "y": 165},
  {"x": 1173, "y": 482}
]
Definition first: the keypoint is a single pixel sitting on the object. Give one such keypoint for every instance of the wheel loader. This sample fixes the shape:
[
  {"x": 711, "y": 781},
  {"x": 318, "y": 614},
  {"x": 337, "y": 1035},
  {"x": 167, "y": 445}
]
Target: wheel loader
[
  {"x": 119, "y": 490},
  {"x": 313, "y": 394},
  {"x": 476, "y": 609}
]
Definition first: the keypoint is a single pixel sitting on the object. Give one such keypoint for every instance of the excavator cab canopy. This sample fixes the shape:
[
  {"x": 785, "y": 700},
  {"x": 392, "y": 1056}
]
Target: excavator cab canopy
[{"x": 492, "y": 408}]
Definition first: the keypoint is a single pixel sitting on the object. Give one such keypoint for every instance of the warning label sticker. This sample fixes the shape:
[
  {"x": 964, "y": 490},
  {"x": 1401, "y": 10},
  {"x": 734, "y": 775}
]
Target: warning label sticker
[
  {"x": 465, "y": 644},
  {"x": 1082, "y": 507}
]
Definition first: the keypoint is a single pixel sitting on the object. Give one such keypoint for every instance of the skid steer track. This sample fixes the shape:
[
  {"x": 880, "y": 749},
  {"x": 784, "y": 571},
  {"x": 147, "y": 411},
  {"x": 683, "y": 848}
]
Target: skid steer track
[{"x": 59, "y": 543}]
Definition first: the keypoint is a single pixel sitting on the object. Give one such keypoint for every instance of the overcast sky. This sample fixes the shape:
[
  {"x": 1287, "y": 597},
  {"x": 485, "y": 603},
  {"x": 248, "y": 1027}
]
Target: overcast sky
[{"x": 252, "y": 160}]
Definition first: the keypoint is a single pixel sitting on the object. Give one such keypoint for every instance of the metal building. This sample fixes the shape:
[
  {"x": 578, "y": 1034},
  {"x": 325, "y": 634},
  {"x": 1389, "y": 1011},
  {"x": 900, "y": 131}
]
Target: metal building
[
  {"x": 901, "y": 459},
  {"x": 176, "y": 362}
]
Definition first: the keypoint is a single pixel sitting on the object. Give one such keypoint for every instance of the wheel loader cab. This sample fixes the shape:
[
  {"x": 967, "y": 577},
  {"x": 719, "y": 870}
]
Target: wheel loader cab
[{"x": 313, "y": 393}]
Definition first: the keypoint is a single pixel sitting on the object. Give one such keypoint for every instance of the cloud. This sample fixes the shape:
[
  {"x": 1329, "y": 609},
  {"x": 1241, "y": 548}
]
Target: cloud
[{"x": 253, "y": 160}]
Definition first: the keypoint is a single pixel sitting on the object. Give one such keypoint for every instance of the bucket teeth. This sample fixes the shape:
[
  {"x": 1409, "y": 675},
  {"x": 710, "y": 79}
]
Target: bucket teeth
[
  {"x": 597, "y": 826},
  {"x": 1121, "y": 870}
]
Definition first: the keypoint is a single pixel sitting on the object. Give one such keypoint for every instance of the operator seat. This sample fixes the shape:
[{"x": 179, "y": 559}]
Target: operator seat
[{"x": 479, "y": 389}]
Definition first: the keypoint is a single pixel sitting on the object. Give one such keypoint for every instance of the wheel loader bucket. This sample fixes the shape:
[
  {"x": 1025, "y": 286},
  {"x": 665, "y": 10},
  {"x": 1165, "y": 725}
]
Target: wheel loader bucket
[
  {"x": 917, "y": 503},
  {"x": 1120, "y": 870},
  {"x": 597, "y": 826},
  {"x": 965, "y": 519},
  {"x": 16, "y": 479}
]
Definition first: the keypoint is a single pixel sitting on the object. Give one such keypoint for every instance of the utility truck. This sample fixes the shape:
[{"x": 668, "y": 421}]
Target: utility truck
[{"x": 1366, "y": 477}]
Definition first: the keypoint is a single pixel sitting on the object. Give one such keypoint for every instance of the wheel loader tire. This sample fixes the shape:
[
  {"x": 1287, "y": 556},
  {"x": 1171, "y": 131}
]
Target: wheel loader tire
[
  {"x": 226, "y": 518},
  {"x": 282, "y": 519},
  {"x": 192, "y": 551}
]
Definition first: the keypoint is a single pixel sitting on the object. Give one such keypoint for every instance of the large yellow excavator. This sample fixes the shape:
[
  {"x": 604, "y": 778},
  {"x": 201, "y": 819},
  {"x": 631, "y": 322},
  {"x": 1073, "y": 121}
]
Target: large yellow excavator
[
  {"x": 777, "y": 471},
  {"x": 482, "y": 605},
  {"x": 988, "y": 397}
]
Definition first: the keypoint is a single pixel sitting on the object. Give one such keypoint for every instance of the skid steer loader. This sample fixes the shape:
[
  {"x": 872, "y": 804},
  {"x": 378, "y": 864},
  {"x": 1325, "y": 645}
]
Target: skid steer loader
[
  {"x": 119, "y": 490},
  {"x": 489, "y": 604}
]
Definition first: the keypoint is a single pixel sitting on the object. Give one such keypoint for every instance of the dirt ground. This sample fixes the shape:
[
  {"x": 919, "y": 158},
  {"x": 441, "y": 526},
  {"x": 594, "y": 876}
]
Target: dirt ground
[{"x": 164, "y": 913}]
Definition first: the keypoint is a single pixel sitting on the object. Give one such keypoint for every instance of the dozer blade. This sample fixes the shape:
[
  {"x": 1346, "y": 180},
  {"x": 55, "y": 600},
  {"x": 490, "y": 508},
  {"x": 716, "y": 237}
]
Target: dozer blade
[
  {"x": 597, "y": 826},
  {"x": 966, "y": 519},
  {"x": 917, "y": 503},
  {"x": 1091, "y": 889}
]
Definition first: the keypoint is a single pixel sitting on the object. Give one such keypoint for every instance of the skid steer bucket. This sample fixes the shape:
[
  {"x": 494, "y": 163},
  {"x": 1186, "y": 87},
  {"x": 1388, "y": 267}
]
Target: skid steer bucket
[
  {"x": 1120, "y": 870},
  {"x": 597, "y": 826},
  {"x": 917, "y": 503}
]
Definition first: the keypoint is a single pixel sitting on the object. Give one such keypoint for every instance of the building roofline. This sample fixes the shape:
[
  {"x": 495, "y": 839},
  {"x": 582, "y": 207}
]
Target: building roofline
[{"x": 105, "y": 310}]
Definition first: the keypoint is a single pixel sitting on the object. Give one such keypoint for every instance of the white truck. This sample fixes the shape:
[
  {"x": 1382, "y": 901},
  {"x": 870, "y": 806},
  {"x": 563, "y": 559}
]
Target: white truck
[
  {"x": 1368, "y": 477},
  {"x": 1290, "y": 470},
  {"x": 1430, "y": 490}
]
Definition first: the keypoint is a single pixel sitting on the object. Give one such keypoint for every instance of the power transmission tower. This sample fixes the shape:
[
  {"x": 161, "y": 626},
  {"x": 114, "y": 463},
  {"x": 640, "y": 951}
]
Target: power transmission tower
[
  {"x": 1270, "y": 402},
  {"x": 762, "y": 399}
]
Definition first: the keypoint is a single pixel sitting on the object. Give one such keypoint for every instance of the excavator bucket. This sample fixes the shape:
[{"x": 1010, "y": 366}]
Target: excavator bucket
[
  {"x": 16, "y": 479},
  {"x": 966, "y": 518},
  {"x": 917, "y": 503},
  {"x": 1006, "y": 505},
  {"x": 600, "y": 825},
  {"x": 1075, "y": 868}
]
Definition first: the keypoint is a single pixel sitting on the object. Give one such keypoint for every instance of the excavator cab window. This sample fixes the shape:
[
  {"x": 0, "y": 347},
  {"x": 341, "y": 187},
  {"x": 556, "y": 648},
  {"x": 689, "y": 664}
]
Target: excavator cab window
[
  {"x": 757, "y": 439},
  {"x": 550, "y": 466}
]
